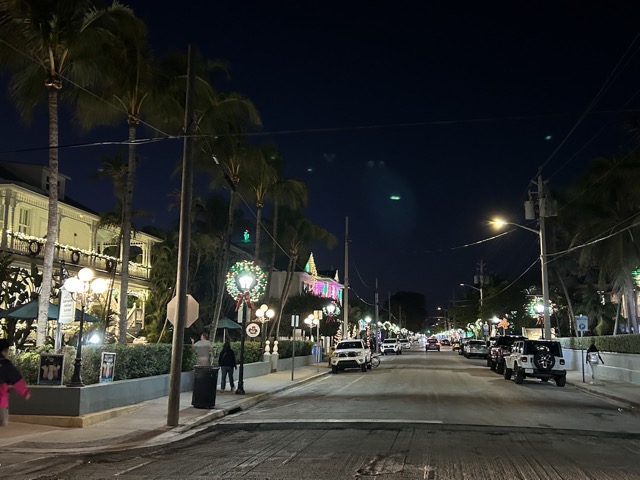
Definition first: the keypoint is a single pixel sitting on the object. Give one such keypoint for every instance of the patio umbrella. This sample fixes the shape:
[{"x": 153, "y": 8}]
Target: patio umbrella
[
  {"x": 29, "y": 311},
  {"x": 227, "y": 323}
]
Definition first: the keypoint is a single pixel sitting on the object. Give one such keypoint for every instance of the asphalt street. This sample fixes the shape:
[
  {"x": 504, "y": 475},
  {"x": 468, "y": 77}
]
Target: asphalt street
[{"x": 418, "y": 415}]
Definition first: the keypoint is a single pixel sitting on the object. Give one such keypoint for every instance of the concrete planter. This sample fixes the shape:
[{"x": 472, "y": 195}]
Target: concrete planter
[
  {"x": 285, "y": 363},
  {"x": 76, "y": 401}
]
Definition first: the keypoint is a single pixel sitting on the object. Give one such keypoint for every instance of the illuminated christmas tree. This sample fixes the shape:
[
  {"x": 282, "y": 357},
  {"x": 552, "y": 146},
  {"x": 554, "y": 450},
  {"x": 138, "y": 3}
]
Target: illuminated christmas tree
[{"x": 338, "y": 336}]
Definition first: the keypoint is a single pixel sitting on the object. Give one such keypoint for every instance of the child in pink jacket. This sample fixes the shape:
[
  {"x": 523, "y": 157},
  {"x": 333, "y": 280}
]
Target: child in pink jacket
[{"x": 9, "y": 376}]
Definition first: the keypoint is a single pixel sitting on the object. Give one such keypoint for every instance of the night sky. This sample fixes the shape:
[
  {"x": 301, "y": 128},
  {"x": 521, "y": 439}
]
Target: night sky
[{"x": 452, "y": 106}]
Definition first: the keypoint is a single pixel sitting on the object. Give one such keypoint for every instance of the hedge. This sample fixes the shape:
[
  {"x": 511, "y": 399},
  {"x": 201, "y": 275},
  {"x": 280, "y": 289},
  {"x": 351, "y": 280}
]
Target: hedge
[
  {"x": 609, "y": 343},
  {"x": 135, "y": 361}
]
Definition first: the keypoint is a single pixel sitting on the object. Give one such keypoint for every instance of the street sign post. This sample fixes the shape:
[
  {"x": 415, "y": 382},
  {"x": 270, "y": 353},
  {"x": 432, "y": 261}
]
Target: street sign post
[
  {"x": 582, "y": 325},
  {"x": 295, "y": 322}
]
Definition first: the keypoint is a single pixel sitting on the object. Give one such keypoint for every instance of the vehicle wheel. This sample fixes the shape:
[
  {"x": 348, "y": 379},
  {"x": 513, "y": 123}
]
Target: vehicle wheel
[
  {"x": 544, "y": 361},
  {"x": 544, "y": 380},
  {"x": 519, "y": 375},
  {"x": 363, "y": 368},
  {"x": 499, "y": 368},
  {"x": 334, "y": 369},
  {"x": 561, "y": 380},
  {"x": 465, "y": 355},
  {"x": 507, "y": 373}
]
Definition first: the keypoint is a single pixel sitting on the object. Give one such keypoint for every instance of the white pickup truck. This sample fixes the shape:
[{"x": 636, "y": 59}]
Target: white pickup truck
[{"x": 351, "y": 353}]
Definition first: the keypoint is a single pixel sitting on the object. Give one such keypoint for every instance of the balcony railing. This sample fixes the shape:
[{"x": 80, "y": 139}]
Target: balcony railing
[{"x": 21, "y": 244}]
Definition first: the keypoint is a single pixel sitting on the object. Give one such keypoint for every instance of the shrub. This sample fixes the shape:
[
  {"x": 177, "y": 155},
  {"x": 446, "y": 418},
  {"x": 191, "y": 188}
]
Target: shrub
[
  {"x": 135, "y": 361},
  {"x": 609, "y": 343},
  {"x": 303, "y": 348}
]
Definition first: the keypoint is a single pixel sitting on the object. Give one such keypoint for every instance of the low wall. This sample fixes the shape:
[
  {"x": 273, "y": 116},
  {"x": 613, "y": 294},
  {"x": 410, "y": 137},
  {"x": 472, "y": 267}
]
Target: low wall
[
  {"x": 77, "y": 401},
  {"x": 285, "y": 363},
  {"x": 621, "y": 367}
]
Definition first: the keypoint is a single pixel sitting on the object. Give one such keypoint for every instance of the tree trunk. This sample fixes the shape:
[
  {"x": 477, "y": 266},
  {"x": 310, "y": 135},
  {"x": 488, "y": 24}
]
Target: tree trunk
[
  {"x": 127, "y": 212},
  {"x": 569, "y": 305},
  {"x": 222, "y": 273},
  {"x": 632, "y": 306},
  {"x": 274, "y": 246},
  {"x": 286, "y": 290},
  {"x": 52, "y": 221},
  {"x": 615, "y": 325},
  {"x": 256, "y": 251}
]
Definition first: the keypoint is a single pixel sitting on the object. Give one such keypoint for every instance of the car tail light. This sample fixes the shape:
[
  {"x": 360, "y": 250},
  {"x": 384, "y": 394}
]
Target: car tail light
[
  {"x": 523, "y": 359},
  {"x": 562, "y": 361}
]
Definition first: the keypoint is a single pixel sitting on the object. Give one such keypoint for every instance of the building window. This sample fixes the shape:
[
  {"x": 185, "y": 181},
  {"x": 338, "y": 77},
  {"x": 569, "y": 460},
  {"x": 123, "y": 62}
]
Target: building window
[{"x": 24, "y": 221}]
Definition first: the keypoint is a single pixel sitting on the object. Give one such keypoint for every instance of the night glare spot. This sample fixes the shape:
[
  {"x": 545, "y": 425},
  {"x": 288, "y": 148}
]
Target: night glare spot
[
  {"x": 548, "y": 137},
  {"x": 394, "y": 197}
]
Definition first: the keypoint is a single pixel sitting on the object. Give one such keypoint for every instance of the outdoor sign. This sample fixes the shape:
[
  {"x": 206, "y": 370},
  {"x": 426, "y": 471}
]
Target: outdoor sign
[
  {"x": 107, "y": 366},
  {"x": 67, "y": 307},
  {"x": 51, "y": 369},
  {"x": 582, "y": 323},
  {"x": 253, "y": 330},
  {"x": 193, "y": 310}
]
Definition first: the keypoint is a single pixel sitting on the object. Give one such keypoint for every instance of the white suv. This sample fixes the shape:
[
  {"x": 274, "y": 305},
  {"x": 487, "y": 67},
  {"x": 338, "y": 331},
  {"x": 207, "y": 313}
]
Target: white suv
[
  {"x": 350, "y": 354},
  {"x": 391, "y": 345},
  {"x": 536, "y": 358}
]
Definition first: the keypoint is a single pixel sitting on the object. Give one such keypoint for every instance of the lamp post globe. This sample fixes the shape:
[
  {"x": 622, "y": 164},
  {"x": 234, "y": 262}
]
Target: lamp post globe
[
  {"x": 245, "y": 281},
  {"x": 83, "y": 286}
]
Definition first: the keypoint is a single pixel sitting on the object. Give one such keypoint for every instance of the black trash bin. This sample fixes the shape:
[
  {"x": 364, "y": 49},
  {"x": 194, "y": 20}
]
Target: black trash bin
[{"x": 205, "y": 380}]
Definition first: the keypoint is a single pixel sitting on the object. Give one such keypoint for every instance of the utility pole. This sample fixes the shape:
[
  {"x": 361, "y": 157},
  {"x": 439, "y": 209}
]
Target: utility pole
[
  {"x": 546, "y": 208},
  {"x": 184, "y": 239},
  {"x": 377, "y": 314},
  {"x": 542, "y": 211},
  {"x": 346, "y": 278},
  {"x": 479, "y": 279}
]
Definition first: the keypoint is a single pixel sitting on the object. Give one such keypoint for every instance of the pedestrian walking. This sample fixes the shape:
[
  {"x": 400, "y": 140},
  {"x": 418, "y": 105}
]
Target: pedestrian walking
[
  {"x": 9, "y": 377},
  {"x": 594, "y": 349},
  {"x": 204, "y": 349},
  {"x": 227, "y": 362}
]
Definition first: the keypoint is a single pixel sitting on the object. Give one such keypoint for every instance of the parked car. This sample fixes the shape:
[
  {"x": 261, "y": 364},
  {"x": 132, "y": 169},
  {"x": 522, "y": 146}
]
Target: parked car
[
  {"x": 476, "y": 348},
  {"x": 538, "y": 359},
  {"x": 432, "y": 344},
  {"x": 405, "y": 343},
  {"x": 498, "y": 349},
  {"x": 350, "y": 354},
  {"x": 391, "y": 346}
]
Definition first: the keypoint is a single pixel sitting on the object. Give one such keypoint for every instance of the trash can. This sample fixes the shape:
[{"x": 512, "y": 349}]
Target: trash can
[{"x": 205, "y": 380}]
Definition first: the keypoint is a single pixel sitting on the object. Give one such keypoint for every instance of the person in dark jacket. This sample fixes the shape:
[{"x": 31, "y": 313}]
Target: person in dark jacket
[
  {"x": 227, "y": 362},
  {"x": 9, "y": 376}
]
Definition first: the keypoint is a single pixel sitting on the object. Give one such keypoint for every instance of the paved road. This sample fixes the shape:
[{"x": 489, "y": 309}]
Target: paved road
[{"x": 417, "y": 416}]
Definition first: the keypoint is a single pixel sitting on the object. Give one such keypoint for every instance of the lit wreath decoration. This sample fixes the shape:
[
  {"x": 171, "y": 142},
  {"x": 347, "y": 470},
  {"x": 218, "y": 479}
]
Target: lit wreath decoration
[{"x": 258, "y": 289}]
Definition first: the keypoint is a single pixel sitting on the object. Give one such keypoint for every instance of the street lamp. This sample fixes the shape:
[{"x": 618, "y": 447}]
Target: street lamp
[
  {"x": 543, "y": 268},
  {"x": 245, "y": 281},
  {"x": 264, "y": 315},
  {"x": 84, "y": 287}
]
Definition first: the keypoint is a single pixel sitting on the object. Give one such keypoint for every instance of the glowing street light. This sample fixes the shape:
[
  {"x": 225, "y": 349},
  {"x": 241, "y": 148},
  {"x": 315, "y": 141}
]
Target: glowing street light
[
  {"x": 499, "y": 223},
  {"x": 83, "y": 289}
]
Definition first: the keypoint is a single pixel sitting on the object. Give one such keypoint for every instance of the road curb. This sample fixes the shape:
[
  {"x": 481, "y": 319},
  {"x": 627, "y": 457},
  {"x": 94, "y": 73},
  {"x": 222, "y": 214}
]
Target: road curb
[
  {"x": 242, "y": 405},
  {"x": 611, "y": 396}
]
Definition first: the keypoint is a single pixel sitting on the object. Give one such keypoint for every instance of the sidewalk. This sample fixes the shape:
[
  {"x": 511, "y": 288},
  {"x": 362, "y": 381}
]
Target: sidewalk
[
  {"x": 627, "y": 393},
  {"x": 146, "y": 424}
]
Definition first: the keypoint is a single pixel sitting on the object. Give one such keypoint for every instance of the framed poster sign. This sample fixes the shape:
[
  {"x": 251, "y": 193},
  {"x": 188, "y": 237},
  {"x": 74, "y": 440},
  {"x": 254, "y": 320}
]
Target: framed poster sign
[
  {"x": 51, "y": 369},
  {"x": 107, "y": 366}
]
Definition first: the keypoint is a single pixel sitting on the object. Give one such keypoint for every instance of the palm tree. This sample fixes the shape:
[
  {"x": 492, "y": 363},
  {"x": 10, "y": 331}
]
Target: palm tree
[
  {"x": 299, "y": 233},
  {"x": 52, "y": 42},
  {"x": 609, "y": 201},
  {"x": 290, "y": 193},
  {"x": 261, "y": 178}
]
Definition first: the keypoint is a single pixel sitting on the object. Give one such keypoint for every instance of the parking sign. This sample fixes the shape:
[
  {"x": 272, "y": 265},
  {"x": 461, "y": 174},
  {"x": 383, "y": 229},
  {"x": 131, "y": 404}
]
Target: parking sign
[{"x": 582, "y": 323}]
